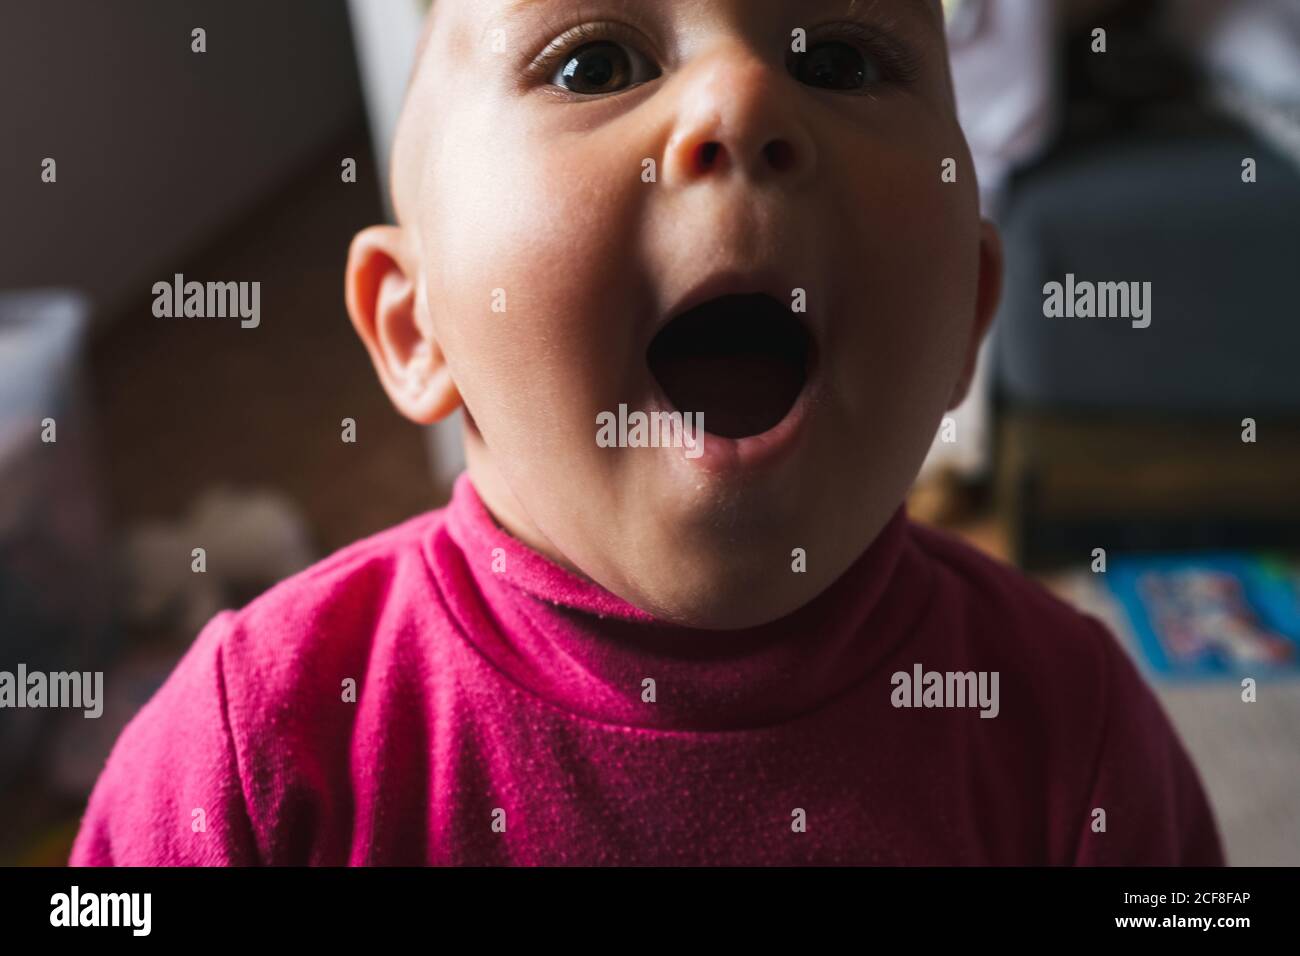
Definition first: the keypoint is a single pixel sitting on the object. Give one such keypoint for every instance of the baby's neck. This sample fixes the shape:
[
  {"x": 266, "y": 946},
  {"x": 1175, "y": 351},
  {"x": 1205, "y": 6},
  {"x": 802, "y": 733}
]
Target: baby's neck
[{"x": 574, "y": 643}]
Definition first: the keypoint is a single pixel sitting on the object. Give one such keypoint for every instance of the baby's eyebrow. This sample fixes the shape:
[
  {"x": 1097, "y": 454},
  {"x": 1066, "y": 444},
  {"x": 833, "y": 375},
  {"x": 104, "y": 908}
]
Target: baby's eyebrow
[
  {"x": 931, "y": 9},
  {"x": 515, "y": 7}
]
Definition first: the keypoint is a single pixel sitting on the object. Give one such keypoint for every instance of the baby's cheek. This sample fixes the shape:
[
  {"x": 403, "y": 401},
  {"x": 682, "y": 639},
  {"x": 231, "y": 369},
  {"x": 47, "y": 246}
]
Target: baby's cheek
[
  {"x": 914, "y": 250},
  {"x": 522, "y": 325}
]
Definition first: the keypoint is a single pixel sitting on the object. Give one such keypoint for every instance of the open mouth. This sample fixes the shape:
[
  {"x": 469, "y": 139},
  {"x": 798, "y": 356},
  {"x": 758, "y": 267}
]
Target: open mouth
[{"x": 740, "y": 360}]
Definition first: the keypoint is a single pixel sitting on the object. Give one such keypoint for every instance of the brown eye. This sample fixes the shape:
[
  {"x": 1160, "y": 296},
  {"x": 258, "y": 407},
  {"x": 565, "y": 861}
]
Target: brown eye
[
  {"x": 835, "y": 66},
  {"x": 602, "y": 67}
]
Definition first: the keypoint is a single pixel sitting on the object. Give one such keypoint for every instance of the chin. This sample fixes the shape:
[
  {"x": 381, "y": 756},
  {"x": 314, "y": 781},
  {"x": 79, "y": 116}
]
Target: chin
[{"x": 727, "y": 592}]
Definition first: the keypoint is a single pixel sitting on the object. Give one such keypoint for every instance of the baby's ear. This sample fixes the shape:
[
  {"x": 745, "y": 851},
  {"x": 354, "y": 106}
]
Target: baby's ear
[
  {"x": 987, "y": 300},
  {"x": 382, "y": 287}
]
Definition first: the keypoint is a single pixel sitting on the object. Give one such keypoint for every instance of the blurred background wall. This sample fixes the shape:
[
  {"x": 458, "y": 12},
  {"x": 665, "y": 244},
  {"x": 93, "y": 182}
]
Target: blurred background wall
[{"x": 158, "y": 148}]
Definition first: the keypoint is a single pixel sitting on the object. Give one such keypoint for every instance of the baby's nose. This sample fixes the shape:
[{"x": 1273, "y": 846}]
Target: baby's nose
[{"x": 738, "y": 115}]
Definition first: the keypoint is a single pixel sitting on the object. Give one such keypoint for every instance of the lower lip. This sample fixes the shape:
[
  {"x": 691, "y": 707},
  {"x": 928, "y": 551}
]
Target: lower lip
[{"x": 722, "y": 456}]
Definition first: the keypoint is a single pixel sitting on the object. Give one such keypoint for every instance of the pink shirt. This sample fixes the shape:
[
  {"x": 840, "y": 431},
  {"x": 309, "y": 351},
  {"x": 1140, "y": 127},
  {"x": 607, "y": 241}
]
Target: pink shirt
[{"x": 501, "y": 717}]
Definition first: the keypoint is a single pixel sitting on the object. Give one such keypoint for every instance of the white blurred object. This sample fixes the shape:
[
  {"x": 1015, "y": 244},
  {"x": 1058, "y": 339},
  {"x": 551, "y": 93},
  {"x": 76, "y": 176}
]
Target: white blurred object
[
  {"x": 1254, "y": 44},
  {"x": 1250, "y": 50},
  {"x": 446, "y": 450},
  {"x": 41, "y": 335},
  {"x": 1003, "y": 57},
  {"x": 1003, "y": 64},
  {"x": 386, "y": 33},
  {"x": 251, "y": 541},
  {"x": 54, "y": 574},
  {"x": 970, "y": 455}
]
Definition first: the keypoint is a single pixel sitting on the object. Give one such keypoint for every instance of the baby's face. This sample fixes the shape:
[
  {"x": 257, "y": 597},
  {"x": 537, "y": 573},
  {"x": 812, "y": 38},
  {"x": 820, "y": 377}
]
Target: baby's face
[{"x": 684, "y": 206}]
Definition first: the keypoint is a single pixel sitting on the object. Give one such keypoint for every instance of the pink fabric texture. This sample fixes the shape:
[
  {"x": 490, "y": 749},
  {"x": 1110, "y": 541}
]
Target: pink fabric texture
[{"x": 502, "y": 715}]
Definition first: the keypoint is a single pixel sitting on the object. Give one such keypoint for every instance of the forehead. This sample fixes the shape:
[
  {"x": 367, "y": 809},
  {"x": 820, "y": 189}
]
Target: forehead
[
  {"x": 929, "y": 6},
  {"x": 931, "y": 10}
]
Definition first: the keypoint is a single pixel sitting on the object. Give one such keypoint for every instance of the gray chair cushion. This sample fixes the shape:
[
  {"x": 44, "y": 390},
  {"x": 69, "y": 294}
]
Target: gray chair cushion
[{"x": 1223, "y": 258}]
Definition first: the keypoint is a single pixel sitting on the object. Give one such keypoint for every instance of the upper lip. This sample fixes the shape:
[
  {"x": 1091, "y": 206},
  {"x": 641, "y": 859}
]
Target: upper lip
[{"x": 728, "y": 282}]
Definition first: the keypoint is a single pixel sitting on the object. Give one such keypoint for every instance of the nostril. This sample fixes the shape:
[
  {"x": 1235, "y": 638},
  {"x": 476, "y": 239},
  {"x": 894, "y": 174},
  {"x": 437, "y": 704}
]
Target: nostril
[
  {"x": 779, "y": 155},
  {"x": 708, "y": 155}
]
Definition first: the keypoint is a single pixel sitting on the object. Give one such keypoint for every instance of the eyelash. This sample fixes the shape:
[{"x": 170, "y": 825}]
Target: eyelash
[
  {"x": 569, "y": 42},
  {"x": 898, "y": 65}
]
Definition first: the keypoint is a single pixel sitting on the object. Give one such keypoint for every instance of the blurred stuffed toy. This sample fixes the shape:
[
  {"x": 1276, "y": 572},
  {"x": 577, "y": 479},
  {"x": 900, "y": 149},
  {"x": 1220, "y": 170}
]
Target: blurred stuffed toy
[{"x": 249, "y": 542}]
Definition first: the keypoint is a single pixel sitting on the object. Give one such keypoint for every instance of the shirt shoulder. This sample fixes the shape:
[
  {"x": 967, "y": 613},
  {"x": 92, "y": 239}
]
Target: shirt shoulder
[
  {"x": 1010, "y": 615},
  {"x": 328, "y": 607},
  {"x": 1055, "y": 662},
  {"x": 1081, "y": 712},
  {"x": 237, "y": 754},
  {"x": 289, "y": 653}
]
